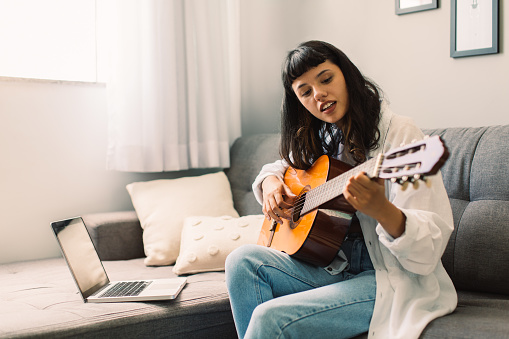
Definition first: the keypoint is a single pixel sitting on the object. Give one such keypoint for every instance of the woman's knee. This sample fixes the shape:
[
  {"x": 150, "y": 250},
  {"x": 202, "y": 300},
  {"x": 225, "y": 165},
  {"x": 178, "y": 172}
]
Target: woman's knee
[
  {"x": 240, "y": 256},
  {"x": 241, "y": 261},
  {"x": 266, "y": 321}
]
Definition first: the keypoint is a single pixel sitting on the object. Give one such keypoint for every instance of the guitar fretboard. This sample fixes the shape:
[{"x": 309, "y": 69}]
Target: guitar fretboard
[{"x": 334, "y": 187}]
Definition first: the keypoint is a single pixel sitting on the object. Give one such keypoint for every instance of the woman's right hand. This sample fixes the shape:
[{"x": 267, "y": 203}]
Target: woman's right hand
[{"x": 277, "y": 198}]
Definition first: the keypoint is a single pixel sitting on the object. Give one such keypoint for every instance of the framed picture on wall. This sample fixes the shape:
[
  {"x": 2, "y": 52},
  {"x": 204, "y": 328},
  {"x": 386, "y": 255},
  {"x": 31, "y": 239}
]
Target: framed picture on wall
[
  {"x": 474, "y": 27},
  {"x": 411, "y": 6}
]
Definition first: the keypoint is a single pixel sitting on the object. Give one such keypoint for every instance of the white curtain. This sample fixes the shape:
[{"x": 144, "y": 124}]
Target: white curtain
[{"x": 174, "y": 84}]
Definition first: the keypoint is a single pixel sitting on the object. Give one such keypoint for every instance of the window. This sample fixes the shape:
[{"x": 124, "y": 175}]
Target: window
[{"x": 48, "y": 39}]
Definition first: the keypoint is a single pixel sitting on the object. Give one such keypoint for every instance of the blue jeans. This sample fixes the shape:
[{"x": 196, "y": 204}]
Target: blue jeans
[{"x": 274, "y": 295}]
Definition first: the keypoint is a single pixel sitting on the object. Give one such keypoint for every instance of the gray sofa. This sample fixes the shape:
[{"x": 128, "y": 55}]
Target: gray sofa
[{"x": 39, "y": 299}]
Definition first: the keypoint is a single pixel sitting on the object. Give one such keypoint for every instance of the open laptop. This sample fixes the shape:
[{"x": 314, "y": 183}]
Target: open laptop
[{"x": 90, "y": 276}]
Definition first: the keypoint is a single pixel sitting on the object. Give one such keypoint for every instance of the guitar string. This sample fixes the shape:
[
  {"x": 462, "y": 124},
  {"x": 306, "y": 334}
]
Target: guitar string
[
  {"x": 317, "y": 193},
  {"x": 335, "y": 183}
]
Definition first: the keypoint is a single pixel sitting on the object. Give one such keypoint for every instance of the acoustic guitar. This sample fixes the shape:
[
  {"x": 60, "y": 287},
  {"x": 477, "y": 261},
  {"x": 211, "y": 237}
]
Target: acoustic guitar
[{"x": 321, "y": 216}]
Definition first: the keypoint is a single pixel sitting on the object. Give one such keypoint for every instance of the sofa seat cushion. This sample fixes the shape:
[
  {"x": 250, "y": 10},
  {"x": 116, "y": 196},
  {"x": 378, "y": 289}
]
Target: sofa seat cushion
[
  {"x": 39, "y": 298},
  {"x": 476, "y": 313}
]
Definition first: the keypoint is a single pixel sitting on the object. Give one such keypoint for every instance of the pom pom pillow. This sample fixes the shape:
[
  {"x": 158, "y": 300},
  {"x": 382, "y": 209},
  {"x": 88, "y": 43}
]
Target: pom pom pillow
[
  {"x": 207, "y": 241},
  {"x": 162, "y": 206}
]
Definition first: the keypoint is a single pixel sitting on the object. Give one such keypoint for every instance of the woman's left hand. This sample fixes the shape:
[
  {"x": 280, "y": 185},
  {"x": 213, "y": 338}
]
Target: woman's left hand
[{"x": 368, "y": 196}]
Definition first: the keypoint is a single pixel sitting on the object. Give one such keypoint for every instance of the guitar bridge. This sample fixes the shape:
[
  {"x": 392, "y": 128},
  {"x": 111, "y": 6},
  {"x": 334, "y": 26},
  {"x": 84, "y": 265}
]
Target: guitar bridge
[{"x": 272, "y": 230}]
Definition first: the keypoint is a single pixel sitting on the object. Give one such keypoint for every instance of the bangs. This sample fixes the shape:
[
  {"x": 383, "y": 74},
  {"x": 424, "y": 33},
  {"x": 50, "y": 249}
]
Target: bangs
[{"x": 299, "y": 62}]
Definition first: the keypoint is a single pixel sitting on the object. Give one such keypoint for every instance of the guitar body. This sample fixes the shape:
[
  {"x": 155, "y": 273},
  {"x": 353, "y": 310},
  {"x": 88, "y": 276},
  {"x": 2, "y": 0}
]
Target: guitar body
[
  {"x": 318, "y": 235},
  {"x": 321, "y": 217}
]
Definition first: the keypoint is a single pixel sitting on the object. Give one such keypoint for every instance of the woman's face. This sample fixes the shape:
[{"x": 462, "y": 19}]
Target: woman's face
[{"x": 322, "y": 91}]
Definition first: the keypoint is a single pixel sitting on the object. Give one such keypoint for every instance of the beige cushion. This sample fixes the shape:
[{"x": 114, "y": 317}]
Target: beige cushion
[
  {"x": 207, "y": 241},
  {"x": 162, "y": 206}
]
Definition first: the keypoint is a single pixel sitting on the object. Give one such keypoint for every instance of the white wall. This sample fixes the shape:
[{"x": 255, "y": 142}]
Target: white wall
[
  {"x": 407, "y": 55},
  {"x": 53, "y": 136},
  {"x": 53, "y": 140}
]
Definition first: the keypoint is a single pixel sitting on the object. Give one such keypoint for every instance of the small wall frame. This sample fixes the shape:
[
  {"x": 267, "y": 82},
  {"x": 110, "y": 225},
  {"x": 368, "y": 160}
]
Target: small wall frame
[
  {"x": 411, "y": 6},
  {"x": 474, "y": 27}
]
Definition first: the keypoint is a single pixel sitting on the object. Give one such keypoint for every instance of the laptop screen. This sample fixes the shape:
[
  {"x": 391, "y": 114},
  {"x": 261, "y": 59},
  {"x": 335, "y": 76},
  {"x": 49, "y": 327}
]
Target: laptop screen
[{"x": 80, "y": 254}]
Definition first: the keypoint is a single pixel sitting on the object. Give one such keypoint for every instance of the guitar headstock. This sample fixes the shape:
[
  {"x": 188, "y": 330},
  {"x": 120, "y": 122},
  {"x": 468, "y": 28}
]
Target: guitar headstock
[{"x": 414, "y": 161}]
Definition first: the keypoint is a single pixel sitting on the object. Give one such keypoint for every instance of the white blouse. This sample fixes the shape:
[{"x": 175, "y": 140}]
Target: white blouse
[{"x": 413, "y": 287}]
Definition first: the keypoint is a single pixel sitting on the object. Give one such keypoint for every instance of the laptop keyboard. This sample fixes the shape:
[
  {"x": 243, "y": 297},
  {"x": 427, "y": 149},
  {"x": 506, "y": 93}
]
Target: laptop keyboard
[{"x": 125, "y": 289}]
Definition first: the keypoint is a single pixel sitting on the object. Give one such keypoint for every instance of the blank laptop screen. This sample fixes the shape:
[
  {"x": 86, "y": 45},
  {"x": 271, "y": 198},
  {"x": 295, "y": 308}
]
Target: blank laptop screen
[{"x": 81, "y": 255}]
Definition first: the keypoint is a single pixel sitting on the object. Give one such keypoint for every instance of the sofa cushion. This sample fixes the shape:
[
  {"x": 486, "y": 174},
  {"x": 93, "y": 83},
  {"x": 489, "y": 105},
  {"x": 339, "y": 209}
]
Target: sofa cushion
[
  {"x": 116, "y": 235},
  {"x": 207, "y": 241},
  {"x": 248, "y": 154},
  {"x": 481, "y": 248},
  {"x": 462, "y": 144},
  {"x": 162, "y": 205},
  {"x": 39, "y": 299},
  {"x": 490, "y": 166},
  {"x": 477, "y": 315},
  {"x": 474, "y": 177}
]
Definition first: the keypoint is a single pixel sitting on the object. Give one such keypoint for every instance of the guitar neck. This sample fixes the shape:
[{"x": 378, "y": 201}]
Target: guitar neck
[{"x": 334, "y": 187}]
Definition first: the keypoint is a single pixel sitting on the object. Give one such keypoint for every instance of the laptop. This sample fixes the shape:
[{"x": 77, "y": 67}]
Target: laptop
[{"x": 90, "y": 276}]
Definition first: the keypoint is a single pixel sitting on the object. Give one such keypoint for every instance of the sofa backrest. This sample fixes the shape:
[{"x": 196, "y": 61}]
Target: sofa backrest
[
  {"x": 247, "y": 156},
  {"x": 475, "y": 177},
  {"x": 477, "y": 255}
]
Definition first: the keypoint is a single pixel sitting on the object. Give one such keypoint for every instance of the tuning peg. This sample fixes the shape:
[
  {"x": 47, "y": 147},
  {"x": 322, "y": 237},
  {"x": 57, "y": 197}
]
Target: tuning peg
[
  {"x": 415, "y": 184},
  {"x": 417, "y": 177},
  {"x": 402, "y": 144},
  {"x": 403, "y": 181}
]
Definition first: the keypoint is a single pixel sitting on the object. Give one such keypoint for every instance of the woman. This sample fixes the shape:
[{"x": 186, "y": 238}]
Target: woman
[{"x": 388, "y": 279}]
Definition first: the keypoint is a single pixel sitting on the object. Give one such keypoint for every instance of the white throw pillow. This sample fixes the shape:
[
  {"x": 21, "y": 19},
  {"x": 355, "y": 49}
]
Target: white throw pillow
[
  {"x": 162, "y": 206},
  {"x": 207, "y": 241}
]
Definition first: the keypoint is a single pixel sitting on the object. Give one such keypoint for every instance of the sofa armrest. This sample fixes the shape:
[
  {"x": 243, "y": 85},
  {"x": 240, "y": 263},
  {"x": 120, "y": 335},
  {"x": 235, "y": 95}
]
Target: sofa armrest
[{"x": 116, "y": 235}]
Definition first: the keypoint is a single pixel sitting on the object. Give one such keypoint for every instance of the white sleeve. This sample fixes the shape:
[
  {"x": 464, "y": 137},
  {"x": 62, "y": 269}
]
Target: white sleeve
[
  {"x": 429, "y": 221},
  {"x": 277, "y": 168},
  {"x": 428, "y": 226}
]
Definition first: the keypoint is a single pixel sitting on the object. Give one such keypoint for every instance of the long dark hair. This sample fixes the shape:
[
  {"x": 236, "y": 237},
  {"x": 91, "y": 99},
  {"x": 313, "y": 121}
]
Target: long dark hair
[{"x": 302, "y": 134}]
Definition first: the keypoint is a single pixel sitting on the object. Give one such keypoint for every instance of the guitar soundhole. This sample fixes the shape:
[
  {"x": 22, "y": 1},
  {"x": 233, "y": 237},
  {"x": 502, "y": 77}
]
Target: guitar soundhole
[
  {"x": 298, "y": 206},
  {"x": 295, "y": 220}
]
